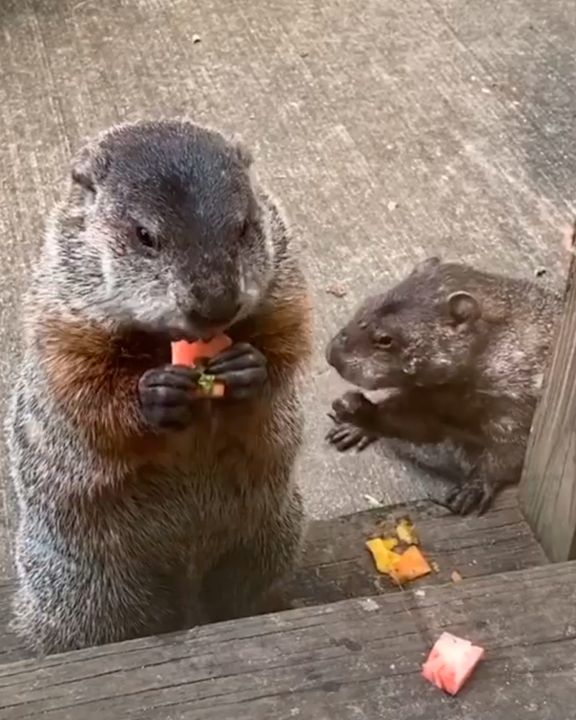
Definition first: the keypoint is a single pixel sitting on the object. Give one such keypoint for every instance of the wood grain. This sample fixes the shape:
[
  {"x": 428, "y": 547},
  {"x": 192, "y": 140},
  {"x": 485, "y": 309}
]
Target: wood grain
[
  {"x": 11, "y": 647},
  {"x": 548, "y": 486},
  {"x": 336, "y": 566},
  {"x": 358, "y": 659},
  {"x": 390, "y": 131}
]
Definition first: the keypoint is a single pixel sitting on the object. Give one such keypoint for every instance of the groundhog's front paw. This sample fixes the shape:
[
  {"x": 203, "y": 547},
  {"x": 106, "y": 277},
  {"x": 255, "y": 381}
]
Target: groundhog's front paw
[
  {"x": 345, "y": 436},
  {"x": 351, "y": 407},
  {"x": 473, "y": 495},
  {"x": 242, "y": 369},
  {"x": 167, "y": 396}
]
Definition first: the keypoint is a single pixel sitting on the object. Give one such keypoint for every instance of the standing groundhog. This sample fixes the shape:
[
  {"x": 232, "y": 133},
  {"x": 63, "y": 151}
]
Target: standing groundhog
[
  {"x": 463, "y": 353},
  {"x": 142, "y": 509}
]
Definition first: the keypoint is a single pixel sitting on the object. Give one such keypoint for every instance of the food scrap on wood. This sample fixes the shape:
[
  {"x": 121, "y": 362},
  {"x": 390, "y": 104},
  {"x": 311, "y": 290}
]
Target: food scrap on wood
[
  {"x": 411, "y": 565},
  {"x": 406, "y": 532},
  {"x": 401, "y": 564},
  {"x": 384, "y": 558},
  {"x": 451, "y": 662}
]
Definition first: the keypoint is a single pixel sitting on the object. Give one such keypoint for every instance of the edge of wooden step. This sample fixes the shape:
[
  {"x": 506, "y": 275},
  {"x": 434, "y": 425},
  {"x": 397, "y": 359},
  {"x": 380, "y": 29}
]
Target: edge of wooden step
[{"x": 335, "y": 565}]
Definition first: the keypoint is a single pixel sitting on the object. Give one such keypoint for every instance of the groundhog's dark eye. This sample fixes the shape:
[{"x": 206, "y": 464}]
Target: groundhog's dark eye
[
  {"x": 383, "y": 340},
  {"x": 145, "y": 238}
]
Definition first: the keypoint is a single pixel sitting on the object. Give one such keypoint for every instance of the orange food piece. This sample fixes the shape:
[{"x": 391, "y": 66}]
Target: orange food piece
[
  {"x": 411, "y": 565},
  {"x": 185, "y": 353},
  {"x": 451, "y": 662}
]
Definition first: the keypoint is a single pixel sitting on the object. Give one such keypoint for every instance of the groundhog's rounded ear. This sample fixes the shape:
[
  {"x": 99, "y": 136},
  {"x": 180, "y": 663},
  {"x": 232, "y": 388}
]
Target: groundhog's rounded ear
[
  {"x": 426, "y": 265},
  {"x": 82, "y": 171},
  {"x": 463, "y": 307},
  {"x": 243, "y": 152},
  {"x": 88, "y": 166}
]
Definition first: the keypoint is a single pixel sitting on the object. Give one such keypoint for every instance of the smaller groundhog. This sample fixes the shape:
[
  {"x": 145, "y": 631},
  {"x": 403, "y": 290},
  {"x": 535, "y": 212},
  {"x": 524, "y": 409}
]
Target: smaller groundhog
[{"x": 462, "y": 353}]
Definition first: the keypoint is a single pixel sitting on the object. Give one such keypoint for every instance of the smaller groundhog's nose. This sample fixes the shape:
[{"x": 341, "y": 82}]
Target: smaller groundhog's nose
[{"x": 334, "y": 348}]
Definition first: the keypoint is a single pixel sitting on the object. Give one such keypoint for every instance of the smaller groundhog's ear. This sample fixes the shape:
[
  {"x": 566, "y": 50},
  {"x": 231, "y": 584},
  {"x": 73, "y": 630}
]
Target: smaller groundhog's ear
[
  {"x": 426, "y": 265},
  {"x": 88, "y": 167},
  {"x": 463, "y": 308},
  {"x": 243, "y": 152}
]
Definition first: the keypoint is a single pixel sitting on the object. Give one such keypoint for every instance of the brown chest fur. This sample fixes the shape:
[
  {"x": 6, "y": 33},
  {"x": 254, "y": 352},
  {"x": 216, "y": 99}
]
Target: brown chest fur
[{"x": 93, "y": 376}]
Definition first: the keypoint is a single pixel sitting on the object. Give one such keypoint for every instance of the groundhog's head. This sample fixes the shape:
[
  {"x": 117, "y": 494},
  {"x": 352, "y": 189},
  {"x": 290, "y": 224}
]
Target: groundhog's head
[
  {"x": 171, "y": 228},
  {"x": 422, "y": 332}
]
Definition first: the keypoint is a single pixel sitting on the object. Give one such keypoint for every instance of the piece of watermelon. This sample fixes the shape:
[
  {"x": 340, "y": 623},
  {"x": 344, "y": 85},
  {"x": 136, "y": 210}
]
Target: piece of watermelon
[
  {"x": 451, "y": 662},
  {"x": 185, "y": 353}
]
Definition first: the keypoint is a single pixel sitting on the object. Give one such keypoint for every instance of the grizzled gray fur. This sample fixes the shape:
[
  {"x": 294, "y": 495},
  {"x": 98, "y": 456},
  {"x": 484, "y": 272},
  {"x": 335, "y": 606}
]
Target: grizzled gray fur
[{"x": 163, "y": 234}]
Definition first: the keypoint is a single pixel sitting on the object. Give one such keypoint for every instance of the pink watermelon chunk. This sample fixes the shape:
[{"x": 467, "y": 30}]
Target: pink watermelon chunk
[{"x": 451, "y": 662}]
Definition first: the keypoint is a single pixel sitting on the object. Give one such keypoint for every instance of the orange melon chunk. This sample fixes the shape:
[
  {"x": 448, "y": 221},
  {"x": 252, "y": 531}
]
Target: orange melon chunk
[{"x": 411, "y": 565}]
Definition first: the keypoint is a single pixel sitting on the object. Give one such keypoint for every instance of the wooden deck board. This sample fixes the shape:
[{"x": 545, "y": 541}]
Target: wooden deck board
[
  {"x": 11, "y": 648},
  {"x": 389, "y": 130},
  {"x": 548, "y": 487},
  {"x": 355, "y": 659},
  {"x": 336, "y": 566}
]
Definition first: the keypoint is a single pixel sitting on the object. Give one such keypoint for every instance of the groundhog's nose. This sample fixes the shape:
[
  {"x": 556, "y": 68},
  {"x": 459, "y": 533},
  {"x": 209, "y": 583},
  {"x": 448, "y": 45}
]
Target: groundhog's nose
[{"x": 334, "y": 348}]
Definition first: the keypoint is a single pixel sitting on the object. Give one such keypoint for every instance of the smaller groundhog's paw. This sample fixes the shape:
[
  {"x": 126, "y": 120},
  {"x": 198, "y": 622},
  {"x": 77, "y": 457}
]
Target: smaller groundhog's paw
[
  {"x": 242, "y": 369},
  {"x": 473, "y": 495},
  {"x": 345, "y": 436},
  {"x": 167, "y": 396},
  {"x": 351, "y": 407}
]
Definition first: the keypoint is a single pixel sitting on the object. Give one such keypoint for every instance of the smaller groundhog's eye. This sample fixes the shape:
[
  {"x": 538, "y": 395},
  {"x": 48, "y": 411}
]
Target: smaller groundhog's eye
[
  {"x": 145, "y": 237},
  {"x": 383, "y": 340}
]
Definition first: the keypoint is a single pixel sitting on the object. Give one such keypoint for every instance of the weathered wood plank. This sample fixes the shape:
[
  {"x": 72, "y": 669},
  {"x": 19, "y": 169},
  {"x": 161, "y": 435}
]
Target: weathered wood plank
[
  {"x": 336, "y": 565},
  {"x": 391, "y": 117},
  {"x": 11, "y": 647},
  {"x": 548, "y": 486},
  {"x": 358, "y": 659}
]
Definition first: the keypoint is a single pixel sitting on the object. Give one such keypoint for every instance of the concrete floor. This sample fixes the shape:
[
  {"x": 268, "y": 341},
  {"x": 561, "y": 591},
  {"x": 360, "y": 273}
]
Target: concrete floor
[{"x": 390, "y": 130}]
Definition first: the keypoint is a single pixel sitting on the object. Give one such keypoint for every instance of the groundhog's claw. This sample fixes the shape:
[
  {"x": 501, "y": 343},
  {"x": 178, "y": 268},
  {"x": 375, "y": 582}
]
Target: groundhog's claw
[
  {"x": 346, "y": 436},
  {"x": 349, "y": 407},
  {"x": 242, "y": 369},
  {"x": 473, "y": 495}
]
